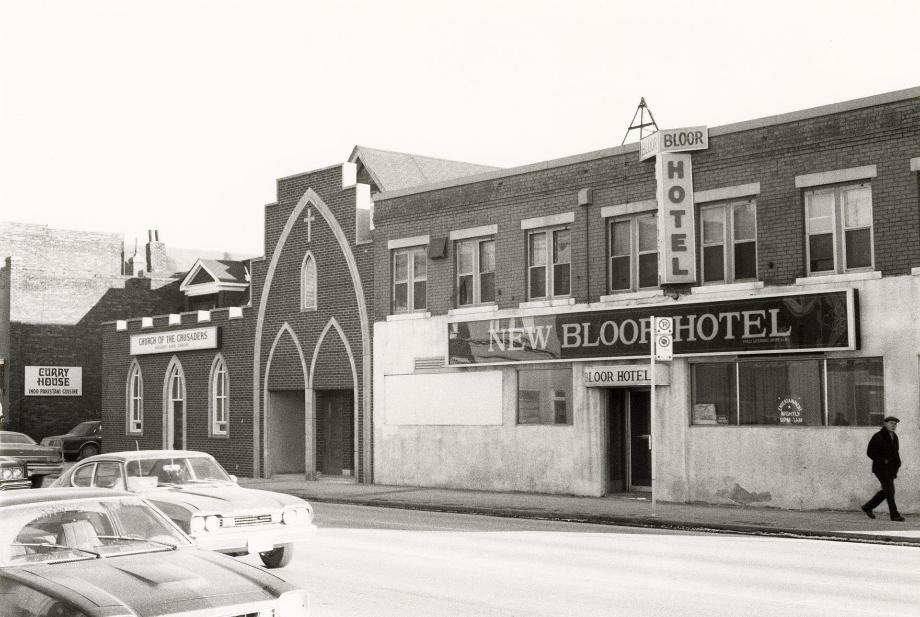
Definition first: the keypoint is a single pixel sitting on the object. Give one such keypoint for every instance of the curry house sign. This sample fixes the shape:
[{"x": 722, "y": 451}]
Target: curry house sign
[{"x": 756, "y": 325}]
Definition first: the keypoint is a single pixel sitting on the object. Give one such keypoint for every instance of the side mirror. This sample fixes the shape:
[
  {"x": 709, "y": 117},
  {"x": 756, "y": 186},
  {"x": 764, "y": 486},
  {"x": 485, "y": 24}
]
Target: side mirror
[{"x": 233, "y": 478}]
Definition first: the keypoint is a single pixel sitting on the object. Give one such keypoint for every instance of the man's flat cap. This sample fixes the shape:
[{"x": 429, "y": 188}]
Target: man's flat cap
[{"x": 891, "y": 419}]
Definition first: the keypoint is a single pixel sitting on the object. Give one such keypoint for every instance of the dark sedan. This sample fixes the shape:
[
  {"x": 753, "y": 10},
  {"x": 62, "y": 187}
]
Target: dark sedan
[
  {"x": 82, "y": 441},
  {"x": 40, "y": 460},
  {"x": 99, "y": 553}
]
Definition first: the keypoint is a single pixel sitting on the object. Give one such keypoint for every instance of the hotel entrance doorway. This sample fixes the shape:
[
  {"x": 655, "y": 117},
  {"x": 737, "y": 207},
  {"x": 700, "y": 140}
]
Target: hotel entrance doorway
[{"x": 629, "y": 440}]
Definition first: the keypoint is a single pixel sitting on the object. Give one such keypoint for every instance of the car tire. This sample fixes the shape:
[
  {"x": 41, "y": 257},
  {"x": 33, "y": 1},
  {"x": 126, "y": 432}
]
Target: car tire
[
  {"x": 37, "y": 481},
  {"x": 87, "y": 451},
  {"x": 278, "y": 557}
]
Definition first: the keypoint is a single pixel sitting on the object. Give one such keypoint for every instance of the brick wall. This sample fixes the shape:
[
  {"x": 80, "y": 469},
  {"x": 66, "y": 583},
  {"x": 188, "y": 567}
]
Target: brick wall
[
  {"x": 234, "y": 451},
  {"x": 36, "y": 338},
  {"x": 336, "y": 298},
  {"x": 63, "y": 251},
  {"x": 883, "y": 135}
]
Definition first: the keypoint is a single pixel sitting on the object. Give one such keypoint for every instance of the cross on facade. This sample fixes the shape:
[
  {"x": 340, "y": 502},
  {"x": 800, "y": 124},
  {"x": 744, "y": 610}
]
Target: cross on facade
[{"x": 309, "y": 219}]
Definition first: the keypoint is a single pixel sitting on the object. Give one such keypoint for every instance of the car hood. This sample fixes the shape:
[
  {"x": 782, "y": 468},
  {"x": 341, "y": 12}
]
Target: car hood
[
  {"x": 222, "y": 498},
  {"x": 160, "y": 583},
  {"x": 28, "y": 450}
]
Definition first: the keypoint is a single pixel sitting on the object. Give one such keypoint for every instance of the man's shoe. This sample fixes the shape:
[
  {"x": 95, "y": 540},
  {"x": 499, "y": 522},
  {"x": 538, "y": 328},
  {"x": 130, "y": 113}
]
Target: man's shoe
[
  {"x": 897, "y": 518},
  {"x": 868, "y": 511}
]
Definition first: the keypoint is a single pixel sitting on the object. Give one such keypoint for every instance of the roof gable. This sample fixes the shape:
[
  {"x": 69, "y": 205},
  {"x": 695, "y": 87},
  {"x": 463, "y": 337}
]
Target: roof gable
[{"x": 391, "y": 171}]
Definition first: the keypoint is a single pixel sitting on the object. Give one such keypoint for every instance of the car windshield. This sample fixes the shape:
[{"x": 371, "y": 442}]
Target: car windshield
[
  {"x": 16, "y": 438},
  {"x": 177, "y": 470},
  {"x": 77, "y": 529},
  {"x": 84, "y": 428}
]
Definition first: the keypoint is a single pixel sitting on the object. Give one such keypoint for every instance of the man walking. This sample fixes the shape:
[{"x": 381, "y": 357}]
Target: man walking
[{"x": 883, "y": 450}]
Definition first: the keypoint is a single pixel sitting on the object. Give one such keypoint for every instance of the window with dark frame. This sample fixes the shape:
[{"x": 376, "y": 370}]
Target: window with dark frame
[
  {"x": 135, "y": 399},
  {"x": 789, "y": 392},
  {"x": 544, "y": 396},
  {"x": 219, "y": 398},
  {"x": 839, "y": 230},
  {"x": 475, "y": 271},
  {"x": 633, "y": 253},
  {"x": 549, "y": 263},
  {"x": 410, "y": 279},
  {"x": 728, "y": 242}
]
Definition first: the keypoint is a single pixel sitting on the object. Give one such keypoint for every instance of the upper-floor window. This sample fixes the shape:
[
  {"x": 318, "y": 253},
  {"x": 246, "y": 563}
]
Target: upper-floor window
[
  {"x": 549, "y": 263},
  {"x": 475, "y": 271},
  {"x": 410, "y": 279},
  {"x": 729, "y": 242},
  {"x": 219, "y": 398},
  {"x": 633, "y": 253},
  {"x": 838, "y": 224},
  {"x": 308, "y": 283},
  {"x": 135, "y": 399}
]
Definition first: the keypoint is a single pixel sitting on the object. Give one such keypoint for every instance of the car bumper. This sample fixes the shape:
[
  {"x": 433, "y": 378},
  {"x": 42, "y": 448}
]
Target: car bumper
[
  {"x": 9, "y": 485},
  {"x": 45, "y": 469},
  {"x": 252, "y": 540}
]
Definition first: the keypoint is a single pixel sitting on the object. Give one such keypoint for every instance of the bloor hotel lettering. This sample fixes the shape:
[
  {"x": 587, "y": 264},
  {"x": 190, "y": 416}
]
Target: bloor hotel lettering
[{"x": 798, "y": 322}]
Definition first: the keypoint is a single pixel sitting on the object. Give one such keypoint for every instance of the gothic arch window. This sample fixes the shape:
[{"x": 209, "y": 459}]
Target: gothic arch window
[
  {"x": 134, "y": 408},
  {"x": 308, "y": 283},
  {"x": 219, "y": 398}
]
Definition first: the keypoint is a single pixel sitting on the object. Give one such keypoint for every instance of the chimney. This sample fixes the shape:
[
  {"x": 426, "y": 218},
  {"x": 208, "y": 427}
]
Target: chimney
[{"x": 157, "y": 262}]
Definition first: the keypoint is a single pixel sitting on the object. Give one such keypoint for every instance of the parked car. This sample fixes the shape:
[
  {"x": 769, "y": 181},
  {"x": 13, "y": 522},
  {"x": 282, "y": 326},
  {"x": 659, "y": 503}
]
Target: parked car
[
  {"x": 204, "y": 500},
  {"x": 83, "y": 440},
  {"x": 95, "y": 553},
  {"x": 40, "y": 460},
  {"x": 13, "y": 474}
]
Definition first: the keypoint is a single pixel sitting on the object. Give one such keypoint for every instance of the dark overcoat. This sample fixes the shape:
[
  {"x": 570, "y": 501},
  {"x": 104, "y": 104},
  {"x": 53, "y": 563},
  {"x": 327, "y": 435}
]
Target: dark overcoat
[{"x": 883, "y": 450}]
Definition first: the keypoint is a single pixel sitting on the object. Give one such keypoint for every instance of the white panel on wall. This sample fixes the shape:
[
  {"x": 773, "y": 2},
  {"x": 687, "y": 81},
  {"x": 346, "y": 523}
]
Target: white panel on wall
[{"x": 463, "y": 398}]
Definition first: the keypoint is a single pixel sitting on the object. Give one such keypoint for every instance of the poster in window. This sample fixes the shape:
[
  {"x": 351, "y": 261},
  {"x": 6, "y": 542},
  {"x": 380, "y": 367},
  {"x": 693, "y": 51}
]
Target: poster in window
[
  {"x": 791, "y": 411},
  {"x": 704, "y": 413}
]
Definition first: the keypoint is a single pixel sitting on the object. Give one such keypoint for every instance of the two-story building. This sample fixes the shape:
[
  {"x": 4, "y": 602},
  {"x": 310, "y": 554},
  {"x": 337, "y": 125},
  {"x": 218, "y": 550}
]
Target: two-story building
[
  {"x": 267, "y": 364},
  {"x": 513, "y": 317}
]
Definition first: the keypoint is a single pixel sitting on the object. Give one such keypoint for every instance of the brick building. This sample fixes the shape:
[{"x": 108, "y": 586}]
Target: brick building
[
  {"x": 282, "y": 383},
  {"x": 513, "y": 315},
  {"x": 56, "y": 287}
]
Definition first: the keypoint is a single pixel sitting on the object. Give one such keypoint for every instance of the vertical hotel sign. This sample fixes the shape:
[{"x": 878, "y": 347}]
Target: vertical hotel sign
[
  {"x": 676, "y": 235},
  {"x": 676, "y": 219}
]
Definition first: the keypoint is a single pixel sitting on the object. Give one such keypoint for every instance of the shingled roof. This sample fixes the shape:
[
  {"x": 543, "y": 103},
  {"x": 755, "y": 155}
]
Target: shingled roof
[{"x": 393, "y": 171}]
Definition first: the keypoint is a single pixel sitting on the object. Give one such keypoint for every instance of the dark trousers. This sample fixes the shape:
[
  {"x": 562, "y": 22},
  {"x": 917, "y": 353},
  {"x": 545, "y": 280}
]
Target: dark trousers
[{"x": 886, "y": 494}]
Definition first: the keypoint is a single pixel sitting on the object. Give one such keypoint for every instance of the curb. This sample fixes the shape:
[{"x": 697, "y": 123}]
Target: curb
[{"x": 625, "y": 521}]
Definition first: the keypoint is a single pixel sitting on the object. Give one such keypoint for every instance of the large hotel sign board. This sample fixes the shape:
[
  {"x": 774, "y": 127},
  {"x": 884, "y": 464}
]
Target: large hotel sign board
[
  {"x": 754, "y": 325},
  {"x": 174, "y": 340}
]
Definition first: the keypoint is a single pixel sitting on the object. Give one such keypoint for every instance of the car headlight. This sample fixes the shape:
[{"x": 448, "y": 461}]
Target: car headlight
[
  {"x": 196, "y": 525},
  {"x": 6, "y": 473},
  {"x": 297, "y": 515},
  {"x": 212, "y": 523},
  {"x": 293, "y": 604},
  {"x": 17, "y": 473}
]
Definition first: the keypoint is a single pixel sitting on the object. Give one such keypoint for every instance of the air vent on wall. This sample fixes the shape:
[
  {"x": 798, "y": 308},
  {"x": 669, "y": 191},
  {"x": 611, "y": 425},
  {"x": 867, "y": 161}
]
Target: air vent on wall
[{"x": 435, "y": 363}]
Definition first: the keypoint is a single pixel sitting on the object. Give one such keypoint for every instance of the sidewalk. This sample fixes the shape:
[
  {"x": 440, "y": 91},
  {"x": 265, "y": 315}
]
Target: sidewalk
[{"x": 629, "y": 510}]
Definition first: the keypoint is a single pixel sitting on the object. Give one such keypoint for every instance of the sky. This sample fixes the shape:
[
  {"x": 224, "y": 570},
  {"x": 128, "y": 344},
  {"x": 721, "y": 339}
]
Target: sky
[{"x": 122, "y": 116}]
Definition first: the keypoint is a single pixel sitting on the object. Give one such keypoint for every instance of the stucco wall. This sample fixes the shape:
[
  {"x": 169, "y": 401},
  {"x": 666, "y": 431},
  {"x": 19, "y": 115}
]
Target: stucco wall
[
  {"x": 506, "y": 457},
  {"x": 817, "y": 467},
  {"x": 821, "y": 467}
]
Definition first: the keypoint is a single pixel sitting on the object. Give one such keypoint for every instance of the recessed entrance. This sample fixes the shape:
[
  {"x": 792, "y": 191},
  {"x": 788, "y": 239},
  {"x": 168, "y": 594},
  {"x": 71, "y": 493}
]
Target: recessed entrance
[
  {"x": 286, "y": 431},
  {"x": 629, "y": 451},
  {"x": 335, "y": 432}
]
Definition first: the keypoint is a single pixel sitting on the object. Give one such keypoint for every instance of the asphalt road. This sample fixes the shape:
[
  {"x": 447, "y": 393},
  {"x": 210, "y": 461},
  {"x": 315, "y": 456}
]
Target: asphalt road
[{"x": 382, "y": 562}]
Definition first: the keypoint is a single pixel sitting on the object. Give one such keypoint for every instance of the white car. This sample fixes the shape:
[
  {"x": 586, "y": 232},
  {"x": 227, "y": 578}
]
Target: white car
[{"x": 204, "y": 500}]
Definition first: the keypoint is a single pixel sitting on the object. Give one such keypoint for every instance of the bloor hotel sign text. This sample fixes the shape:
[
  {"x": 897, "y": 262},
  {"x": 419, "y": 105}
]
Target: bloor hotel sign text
[{"x": 754, "y": 325}]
